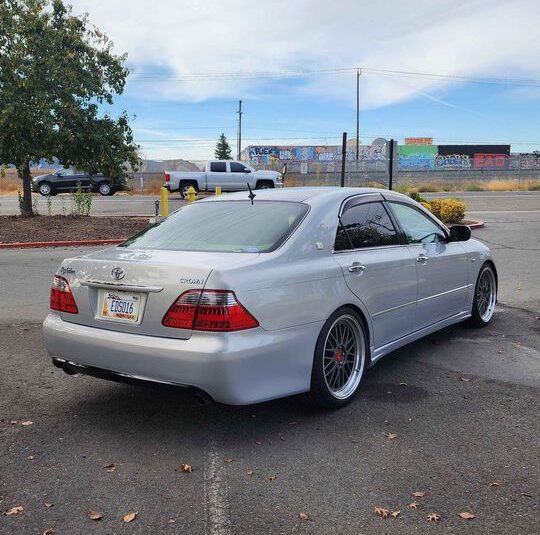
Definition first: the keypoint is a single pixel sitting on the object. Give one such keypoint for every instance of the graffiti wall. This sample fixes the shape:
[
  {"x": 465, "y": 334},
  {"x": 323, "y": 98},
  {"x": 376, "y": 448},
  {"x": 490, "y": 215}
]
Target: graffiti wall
[
  {"x": 453, "y": 157},
  {"x": 258, "y": 155}
]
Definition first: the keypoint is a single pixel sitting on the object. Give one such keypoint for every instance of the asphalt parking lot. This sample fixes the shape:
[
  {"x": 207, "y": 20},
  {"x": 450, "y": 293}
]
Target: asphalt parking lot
[{"x": 463, "y": 405}]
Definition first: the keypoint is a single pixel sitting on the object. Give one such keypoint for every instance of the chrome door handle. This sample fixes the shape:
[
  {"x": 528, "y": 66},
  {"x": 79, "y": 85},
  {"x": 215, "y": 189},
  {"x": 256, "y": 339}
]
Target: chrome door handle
[
  {"x": 422, "y": 259},
  {"x": 356, "y": 267}
]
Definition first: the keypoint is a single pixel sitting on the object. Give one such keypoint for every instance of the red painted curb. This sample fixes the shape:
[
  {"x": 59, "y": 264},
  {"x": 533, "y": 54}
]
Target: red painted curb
[
  {"x": 77, "y": 243},
  {"x": 474, "y": 224}
]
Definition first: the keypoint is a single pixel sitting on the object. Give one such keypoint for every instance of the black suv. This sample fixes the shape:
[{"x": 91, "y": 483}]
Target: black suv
[{"x": 67, "y": 180}]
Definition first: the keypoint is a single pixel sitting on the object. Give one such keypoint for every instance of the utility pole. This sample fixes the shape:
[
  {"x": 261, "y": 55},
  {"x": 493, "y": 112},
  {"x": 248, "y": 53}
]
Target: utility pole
[
  {"x": 358, "y": 72},
  {"x": 391, "y": 165},
  {"x": 343, "y": 158},
  {"x": 239, "y": 138}
]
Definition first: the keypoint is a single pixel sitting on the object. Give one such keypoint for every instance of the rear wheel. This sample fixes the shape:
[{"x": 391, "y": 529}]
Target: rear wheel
[
  {"x": 45, "y": 189},
  {"x": 264, "y": 184},
  {"x": 485, "y": 296},
  {"x": 104, "y": 188},
  {"x": 340, "y": 359},
  {"x": 184, "y": 187}
]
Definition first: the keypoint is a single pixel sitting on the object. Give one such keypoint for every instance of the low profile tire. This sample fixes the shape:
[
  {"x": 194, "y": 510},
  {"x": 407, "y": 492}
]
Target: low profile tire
[
  {"x": 485, "y": 296},
  {"x": 184, "y": 187},
  {"x": 340, "y": 359},
  {"x": 45, "y": 189},
  {"x": 264, "y": 184},
  {"x": 105, "y": 189}
]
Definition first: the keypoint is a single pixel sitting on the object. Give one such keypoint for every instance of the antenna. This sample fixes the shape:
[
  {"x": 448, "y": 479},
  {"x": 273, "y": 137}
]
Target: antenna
[{"x": 251, "y": 195}]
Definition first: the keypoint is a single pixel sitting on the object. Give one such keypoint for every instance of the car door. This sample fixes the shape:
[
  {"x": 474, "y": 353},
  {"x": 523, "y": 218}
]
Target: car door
[
  {"x": 442, "y": 266},
  {"x": 240, "y": 176},
  {"x": 217, "y": 175},
  {"x": 377, "y": 266},
  {"x": 65, "y": 180}
]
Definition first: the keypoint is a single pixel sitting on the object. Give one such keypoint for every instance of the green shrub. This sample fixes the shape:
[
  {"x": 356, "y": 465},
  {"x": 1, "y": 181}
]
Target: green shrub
[{"x": 82, "y": 202}]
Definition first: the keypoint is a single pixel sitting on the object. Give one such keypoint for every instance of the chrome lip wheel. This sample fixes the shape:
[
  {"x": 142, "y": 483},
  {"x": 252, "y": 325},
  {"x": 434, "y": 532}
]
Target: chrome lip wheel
[
  {"x": 45, "y": 189},
  {"x": 486, "y": 294},
  {"x": 104, "y": 189},
  {"x": 344, "y": 356}
]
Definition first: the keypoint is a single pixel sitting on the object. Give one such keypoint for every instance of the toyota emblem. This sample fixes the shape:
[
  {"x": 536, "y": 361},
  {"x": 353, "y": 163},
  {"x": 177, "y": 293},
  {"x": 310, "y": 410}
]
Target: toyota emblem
[{"x": 117, "y": 273}]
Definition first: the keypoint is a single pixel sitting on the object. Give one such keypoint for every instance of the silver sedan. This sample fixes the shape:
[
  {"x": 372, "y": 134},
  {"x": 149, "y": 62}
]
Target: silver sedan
[{"x": 245, "y": 299}]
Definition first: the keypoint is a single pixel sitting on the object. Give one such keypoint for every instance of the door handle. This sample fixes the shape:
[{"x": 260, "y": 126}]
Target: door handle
[
  {"x": 356, "y": 267},
  {"x": 422, "y": 259}
]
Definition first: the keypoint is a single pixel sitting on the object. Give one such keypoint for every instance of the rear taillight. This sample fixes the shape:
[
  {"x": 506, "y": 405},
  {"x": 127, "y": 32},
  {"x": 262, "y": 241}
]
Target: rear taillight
[
  {"x": 61, "y": 296},
  {"x": 209, "y": 310},
  {"x": 167, "y": 177}
]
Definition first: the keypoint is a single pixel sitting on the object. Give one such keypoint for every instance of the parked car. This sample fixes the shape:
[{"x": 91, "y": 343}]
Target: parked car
[
  {"x": 298, "y": 291},
  {"x": 230, "y": 175},
  {"x": 67, "y": 180}
]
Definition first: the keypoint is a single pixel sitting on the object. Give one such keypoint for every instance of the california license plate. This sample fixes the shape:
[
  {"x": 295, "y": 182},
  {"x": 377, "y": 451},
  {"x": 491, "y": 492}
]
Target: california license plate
[{"x": 121, "y": 306}]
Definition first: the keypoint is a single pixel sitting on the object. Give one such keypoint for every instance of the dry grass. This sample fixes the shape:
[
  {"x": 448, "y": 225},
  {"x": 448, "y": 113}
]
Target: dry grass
[{"x": 489, "y": 185}]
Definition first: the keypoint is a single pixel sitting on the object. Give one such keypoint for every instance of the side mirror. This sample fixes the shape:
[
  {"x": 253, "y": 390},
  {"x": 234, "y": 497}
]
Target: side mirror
[
  {"x": 246, "y": 170},
  {"x": 460, "y": 233}
]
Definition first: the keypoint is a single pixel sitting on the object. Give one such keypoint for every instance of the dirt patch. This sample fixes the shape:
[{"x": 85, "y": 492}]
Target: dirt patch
[{"x": 60, "y": 228}]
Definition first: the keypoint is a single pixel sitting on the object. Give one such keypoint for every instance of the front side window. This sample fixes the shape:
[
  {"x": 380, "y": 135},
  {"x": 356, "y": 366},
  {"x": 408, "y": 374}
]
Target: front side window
[
  {"x": 418, "y": 228},
  {"x": 237, "y": 167},
  {"x": 218, "y": 167},
  {"x": 224, "y": 226},
  {"x": 365, "y": 225}
]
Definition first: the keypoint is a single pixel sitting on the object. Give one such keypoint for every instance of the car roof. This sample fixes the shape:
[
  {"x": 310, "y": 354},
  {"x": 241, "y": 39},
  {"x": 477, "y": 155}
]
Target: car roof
[{"x": 300, "y": 194}]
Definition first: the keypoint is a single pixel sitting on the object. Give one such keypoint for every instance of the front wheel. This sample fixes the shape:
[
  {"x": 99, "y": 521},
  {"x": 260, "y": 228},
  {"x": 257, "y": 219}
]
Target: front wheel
[
  {"x": 45, "y": 189},
  {"x": 104, "y": 188},
  {"x": 485, "y": 296},
  {"x": 340, "y": 359},
  {"x": 264, "y": 184}
]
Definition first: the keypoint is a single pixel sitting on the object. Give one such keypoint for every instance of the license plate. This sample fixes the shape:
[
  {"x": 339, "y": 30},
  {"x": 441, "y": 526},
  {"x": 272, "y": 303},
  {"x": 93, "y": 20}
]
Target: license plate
[{"x": 121, "y": 306}]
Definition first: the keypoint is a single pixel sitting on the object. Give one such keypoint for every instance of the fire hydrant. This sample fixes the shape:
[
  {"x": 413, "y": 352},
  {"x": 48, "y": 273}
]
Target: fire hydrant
[{"x": 191, "y": 195}]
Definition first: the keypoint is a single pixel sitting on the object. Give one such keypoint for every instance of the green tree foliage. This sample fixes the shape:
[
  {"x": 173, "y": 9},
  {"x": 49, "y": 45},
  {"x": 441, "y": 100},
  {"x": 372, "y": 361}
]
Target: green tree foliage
[
  {"x": 58, "y": 74},
  {"x": 223, "y": 149}
]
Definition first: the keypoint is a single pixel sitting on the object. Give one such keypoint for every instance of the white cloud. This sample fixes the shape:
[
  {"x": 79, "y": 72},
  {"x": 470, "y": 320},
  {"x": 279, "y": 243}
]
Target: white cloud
[{"x": 467, "y": 38}]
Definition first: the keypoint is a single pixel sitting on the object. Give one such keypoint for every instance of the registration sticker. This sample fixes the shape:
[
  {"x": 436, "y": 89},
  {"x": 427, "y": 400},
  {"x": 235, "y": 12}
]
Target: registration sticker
[{"x": 120, "y": 306}]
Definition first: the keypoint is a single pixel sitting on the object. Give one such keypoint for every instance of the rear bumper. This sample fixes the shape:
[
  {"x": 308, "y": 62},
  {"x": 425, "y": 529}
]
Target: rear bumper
[{"x": 236, "y": 368}]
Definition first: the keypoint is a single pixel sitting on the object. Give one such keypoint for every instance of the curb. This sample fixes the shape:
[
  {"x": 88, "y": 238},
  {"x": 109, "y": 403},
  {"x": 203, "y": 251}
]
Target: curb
[
  {"x": 474, "y": 224},
  {"x": 76, "y": 243}
]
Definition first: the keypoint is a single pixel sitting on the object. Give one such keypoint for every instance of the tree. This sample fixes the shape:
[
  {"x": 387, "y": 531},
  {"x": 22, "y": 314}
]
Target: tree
[
  {"x": 58, "y": 73},
  {"x": 223, "y": 149}
]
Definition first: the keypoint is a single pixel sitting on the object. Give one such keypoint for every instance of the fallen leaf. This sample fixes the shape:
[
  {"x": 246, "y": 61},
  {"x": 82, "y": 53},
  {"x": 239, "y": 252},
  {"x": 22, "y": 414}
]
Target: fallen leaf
[
  {"x": 413, "y": 505},
  {"x": 271, "y": 478},
  {"x": 403, "y": 384},
  {"x": 500, "y": 351},
  {"x": 466, "y": 379},
  {"x": 418, "y": 494},
  {"x": 383, "y": 513},
  {"x": 495, "y": 484},
  {"x": 110, "y": 467},
  {"x": 466, "y": 515},
  {"x": 258, "y": 442},
  {"x": 14, "y": 422},
  {"x": 355, "y": 441},
  {"x": 250, "y": 472},
  {"x": 303, "y": 516},
  {"x": 18, "y": 509},
  {"x": 172, "y": 521},
  {"x": 129, "y": 517},
  {"x": 281, "y": 438},
  {"x": 49, "y": 504},
  {"x": 228, "y": 460},
  {"x": 95, "y": 515},
  {"x": 390, "y": 436},
  {"x": 30, "y": 457},
  {"x": 395, "y": 514},
  {"x": 27, "y": 422},
  {"x": 49, "y": 531},
  {"x": 433, "y": 517},
  {"x": 184, "y": 467},
  {"x": 526, "y": 494}
]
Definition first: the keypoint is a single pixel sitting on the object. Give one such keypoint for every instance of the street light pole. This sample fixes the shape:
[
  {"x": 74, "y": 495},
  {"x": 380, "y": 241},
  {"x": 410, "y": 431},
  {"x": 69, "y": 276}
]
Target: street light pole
[
  {"x": 357, "y": 112},
  {"x": 239, "y": 138}
]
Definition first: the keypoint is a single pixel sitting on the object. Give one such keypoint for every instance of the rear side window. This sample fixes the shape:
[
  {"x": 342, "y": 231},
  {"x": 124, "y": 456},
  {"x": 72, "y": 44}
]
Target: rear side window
[
  {"x": 237, "y": 167},
  {"x": 224, "y": 226},
  {"x": 365, "y": 225},
  {"x": 218, "y": 167}
]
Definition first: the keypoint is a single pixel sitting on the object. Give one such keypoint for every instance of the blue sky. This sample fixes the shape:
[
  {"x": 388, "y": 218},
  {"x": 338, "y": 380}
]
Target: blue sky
[{"x": 180, "y": 114}]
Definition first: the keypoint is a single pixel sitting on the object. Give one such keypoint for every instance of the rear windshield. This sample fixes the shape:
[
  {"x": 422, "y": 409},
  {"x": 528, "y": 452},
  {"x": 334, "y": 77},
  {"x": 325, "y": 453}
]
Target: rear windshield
[{"x": 224, "y": 226}]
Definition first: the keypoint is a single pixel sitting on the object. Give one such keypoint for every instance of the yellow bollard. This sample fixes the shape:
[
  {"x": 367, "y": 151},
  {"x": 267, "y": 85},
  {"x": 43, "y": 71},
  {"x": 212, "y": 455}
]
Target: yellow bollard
[
  {"x": 164, "y": 202},
  {"x": 191, "y": 195},
  {"x": 218, "y": 190}
]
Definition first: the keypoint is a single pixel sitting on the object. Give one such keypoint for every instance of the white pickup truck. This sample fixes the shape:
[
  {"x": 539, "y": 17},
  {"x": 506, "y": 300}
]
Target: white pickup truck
[{"x": 230, "y": 175}]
